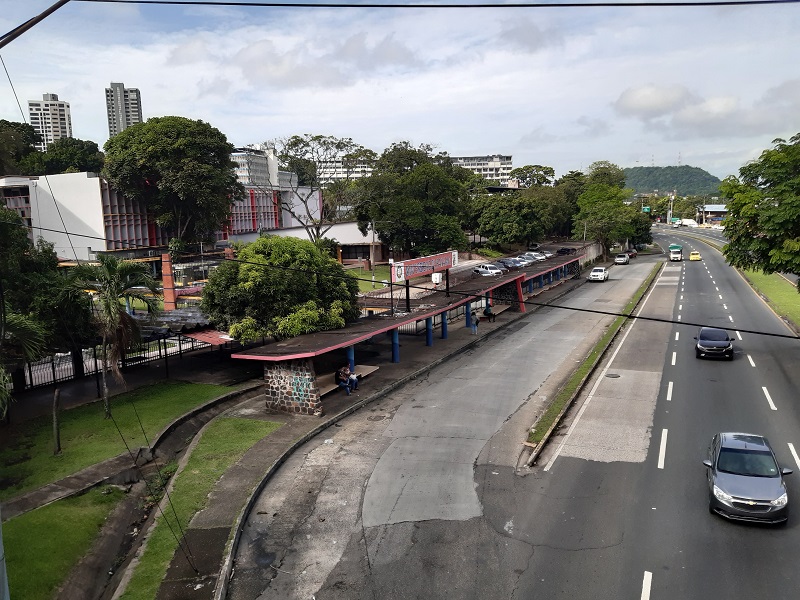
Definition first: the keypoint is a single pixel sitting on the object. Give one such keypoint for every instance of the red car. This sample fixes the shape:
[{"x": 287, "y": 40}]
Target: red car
[{"x": 632, "y": 252}]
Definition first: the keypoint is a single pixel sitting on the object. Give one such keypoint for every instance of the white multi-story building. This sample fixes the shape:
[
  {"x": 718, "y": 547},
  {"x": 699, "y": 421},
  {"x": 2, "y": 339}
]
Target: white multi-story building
[
  {"x": 495, "y": 167},
  {"x": 336, "y": 170},
  {"x": 253, "y": 166},
  {"x": 123, "y": 107},
  {"x": 50, "y": 118}
]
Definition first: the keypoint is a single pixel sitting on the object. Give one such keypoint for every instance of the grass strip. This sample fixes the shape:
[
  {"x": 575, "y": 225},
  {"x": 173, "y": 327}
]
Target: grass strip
[
  {"x": 568, "y": 390},
  {"x": 223, "y": 443},
  {"x": 43, "y": 545},
  {"x": 26, "y": 452},
  {"x": 779, "y": 293}
]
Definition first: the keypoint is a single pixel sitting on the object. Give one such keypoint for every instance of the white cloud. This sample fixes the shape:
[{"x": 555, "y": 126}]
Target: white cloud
[{"x": 650, "y": 101}]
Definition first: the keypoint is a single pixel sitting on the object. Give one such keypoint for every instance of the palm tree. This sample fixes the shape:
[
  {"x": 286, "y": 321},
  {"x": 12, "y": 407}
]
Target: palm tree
[
  {"x": 115, "y": 284},
  {"x": 21, "y": 338}
]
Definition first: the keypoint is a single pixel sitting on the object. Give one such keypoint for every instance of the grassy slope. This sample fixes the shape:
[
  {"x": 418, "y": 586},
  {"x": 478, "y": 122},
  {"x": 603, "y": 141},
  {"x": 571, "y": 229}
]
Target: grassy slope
[
  {"x": 223, "y": 443},
  {"x": 26, "y": 453}
]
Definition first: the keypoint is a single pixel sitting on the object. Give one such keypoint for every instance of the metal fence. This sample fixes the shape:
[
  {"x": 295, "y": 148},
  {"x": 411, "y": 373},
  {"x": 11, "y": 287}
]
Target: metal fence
[{"x": 65, "y": 367}]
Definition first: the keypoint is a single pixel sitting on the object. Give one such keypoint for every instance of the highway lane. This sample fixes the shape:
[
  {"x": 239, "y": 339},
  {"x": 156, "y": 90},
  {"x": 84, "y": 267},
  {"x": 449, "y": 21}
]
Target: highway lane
[{"x": 631, "y": 529}]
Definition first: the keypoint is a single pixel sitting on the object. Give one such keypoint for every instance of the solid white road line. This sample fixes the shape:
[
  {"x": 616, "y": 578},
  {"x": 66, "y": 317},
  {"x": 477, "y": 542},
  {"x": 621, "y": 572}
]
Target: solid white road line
[
  {"x": 794, "y": 454},
  {"x": 674, "y": 356},
  {"x": 739, "y": 335},
  {"x": 677, "y": 335},
  {"x": 750, "y": 358},
  {"x": 669, "y": 391},
  {"x": 662, "y": 449},
  {"x": 600, "y": 379},
  {"x": 769, "y": 398}
]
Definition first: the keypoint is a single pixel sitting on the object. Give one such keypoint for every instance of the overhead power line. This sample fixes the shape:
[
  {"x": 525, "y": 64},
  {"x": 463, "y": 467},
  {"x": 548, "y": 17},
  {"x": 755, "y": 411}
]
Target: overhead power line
[{"x": 447, "y": 6}]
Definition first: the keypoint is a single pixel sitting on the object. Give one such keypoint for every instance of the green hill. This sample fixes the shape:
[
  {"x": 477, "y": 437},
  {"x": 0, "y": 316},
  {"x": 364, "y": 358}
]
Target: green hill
[{"x": 688, "y": 181}]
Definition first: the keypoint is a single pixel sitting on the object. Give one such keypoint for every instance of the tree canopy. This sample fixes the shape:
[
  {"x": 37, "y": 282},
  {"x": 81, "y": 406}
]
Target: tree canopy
[
  {"x": 280, "y": 286},
  {"x": 67, "y": 155},
  {"x": 606, "y": 173},
  {"x": 416, "y": 202},
  {"x": 181, "y": 169},
  {"x": 763, "y": 221},
  {"x": 533, "y": 175},
  {"x": 603, "y": 216},
  {"x": 686, "y": 180},
  {"x": 16, "y": 142}
]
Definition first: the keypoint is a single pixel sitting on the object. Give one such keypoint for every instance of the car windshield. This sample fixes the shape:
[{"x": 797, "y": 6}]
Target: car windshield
[
  {"x": 714, "y": 335},
  {"x": 754, "y": 463},
  {"x": 597, "y": 270},
  {"x": 622, "y": 256}
]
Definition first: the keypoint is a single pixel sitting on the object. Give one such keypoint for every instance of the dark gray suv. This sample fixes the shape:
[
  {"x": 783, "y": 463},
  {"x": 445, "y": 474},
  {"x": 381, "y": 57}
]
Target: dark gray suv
[{"x": 745, "y": 482}]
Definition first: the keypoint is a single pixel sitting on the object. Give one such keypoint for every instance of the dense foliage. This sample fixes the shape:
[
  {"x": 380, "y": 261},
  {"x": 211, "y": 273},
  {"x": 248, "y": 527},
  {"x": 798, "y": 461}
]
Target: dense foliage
[
  {"x": 763, "y": 221},
  {"x": 67, "y": 155},
  {"x": 280, "y": 287},
  {"x": 16, "y": 142},
  {"x": 181, "y": 169},
  {"x": 686, "y": 180}
]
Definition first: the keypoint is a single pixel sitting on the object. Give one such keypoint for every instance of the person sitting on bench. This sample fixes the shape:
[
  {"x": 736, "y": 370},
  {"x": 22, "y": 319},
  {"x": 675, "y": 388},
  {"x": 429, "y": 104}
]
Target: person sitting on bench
[
  {"x": 342, "y": 379},
  {"x": 351, "y": 377}
]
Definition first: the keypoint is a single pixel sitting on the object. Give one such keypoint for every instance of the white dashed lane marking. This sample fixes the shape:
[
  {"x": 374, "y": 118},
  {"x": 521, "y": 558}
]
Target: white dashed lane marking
[
  {"x": 674, "y": 357},
  {"x": 769, "y": 399},
  {"x": 750, "y": 358},
  {"x": 725, "y": 306},
  {"x": 662, "y": 449},
  {"x": 646, "y": 583},
  {"x": 677, "y": 335},
  {"x": 739, "y": 335},
  {"x": 669, "y": 391},
  {"x": 794, "y": 455},
  {"x": 731, "y": 318}
]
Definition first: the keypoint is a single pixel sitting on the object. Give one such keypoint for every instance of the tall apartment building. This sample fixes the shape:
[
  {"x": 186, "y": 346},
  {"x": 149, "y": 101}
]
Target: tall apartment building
[
  {"x": 336, "y": 170},
  {"x": 496, "y": 167},
  {"x": 123, "y": 107},
  {"x": 50, "y": 118}
]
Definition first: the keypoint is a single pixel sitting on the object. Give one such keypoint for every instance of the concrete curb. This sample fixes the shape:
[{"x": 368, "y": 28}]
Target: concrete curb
[
  {"x": 579, "y": 390},
  {"x": 226, "y": 569}
]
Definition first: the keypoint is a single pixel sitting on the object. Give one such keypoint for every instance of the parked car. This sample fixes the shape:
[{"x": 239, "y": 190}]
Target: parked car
[
  {"x": 547, "y": 254},
  {"x": 745, "y": 482},
  {"x": 598, "y": 274},
  {"x": 695, "y": 255},
  {"x": 533, "y": 246},
  {"x": 632, "y": 252},
  {"x": 511, "y": 263},
  {"x": 526, "y": 260},
  {"x": 713, "y": 342},
  {"x": 536, "y": 256},
  {"x": 486, "y": 270},
  {"x": 622, "y": 259},
  {"x": 501, "y": 266},
  {"x": 566, "y": 250}
]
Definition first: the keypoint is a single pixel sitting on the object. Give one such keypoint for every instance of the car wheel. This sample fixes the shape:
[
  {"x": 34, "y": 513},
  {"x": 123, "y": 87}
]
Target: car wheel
[
  {"x": 731, "y": 356},
  {"x": 711, "y": 509},
  {"x": 696, "y": 354}
]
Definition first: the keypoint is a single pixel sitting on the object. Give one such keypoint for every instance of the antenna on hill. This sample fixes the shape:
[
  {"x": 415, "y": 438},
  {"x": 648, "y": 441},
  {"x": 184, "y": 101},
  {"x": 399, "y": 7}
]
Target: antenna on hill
[
  {"x": 679, "y": 159},
  {"x": 652, "y": 160}
]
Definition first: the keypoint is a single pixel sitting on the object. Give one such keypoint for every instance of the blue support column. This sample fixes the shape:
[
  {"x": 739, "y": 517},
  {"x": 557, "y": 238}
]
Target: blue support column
[
  {"x": 444, "y": 324},
  {"x": 429, "y": 331},
  {"x": 395, "y": 345},
  {"x": 468, "y": 320},
  {"x": 351, "y": 358},
  {"x": 541, "y": 281}
]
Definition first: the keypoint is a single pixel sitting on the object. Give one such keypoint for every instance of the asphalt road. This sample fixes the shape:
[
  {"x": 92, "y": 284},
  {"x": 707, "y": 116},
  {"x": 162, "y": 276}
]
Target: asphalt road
[{"x": 420, "y": 496}]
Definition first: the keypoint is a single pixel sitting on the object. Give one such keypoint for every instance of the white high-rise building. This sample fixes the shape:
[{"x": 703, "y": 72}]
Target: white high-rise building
[
  {"x": 495, "y": 167},
  {"x": 51, "y": 119},
  {"x": 123, "y": 107}
]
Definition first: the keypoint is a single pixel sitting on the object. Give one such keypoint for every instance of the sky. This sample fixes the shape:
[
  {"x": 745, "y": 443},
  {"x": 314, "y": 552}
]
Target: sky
[{"x": 709, "y": 87}]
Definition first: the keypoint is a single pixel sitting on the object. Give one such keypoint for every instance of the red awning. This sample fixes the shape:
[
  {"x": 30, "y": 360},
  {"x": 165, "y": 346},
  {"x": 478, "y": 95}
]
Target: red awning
[{"x": 210, "y": 336}]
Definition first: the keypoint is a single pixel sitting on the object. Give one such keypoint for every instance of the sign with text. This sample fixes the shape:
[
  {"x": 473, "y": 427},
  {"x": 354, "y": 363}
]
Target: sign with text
[{"x": 416, "y": 267}]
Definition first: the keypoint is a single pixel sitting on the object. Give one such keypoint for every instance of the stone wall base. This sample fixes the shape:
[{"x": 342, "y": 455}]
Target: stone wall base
[{"x": 291, "y": 386}]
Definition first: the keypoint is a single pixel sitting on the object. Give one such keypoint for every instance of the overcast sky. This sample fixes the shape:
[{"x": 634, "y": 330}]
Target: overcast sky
[{"x": 563, "y": 87}]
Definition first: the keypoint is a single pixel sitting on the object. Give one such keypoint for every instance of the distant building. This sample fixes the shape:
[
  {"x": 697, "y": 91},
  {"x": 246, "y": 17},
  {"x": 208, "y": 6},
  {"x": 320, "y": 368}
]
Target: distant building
[
  {"x": 50, "y": 118},
  {"x": 253, "y": 166},
  {"x": 336, "y": 170},
  {"x": 496, "y": 167},
  {"x": 712, "y": 214},
  {"x": 123, "y": 107}
]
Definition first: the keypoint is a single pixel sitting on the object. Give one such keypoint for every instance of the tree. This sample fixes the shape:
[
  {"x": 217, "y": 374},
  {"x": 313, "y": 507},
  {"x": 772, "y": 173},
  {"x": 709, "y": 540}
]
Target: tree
[
  {"x": 181, "y": 169},
  {"x": 606, "y": 173},
  {"x": 533, "y": 175},
  {"x": 280, "y": 286},
  {"x": 515, "y": 218},
  {"x": 415, "y": 205},
  {"x": 603, "y": 216},
  {"x": 116, "y": 283},
  {"x": 307, "y": 156},
  {"x": 67, "y": 155},
  {"x": 16, "y": 141},
  {"x": 763, "y": 221}
]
